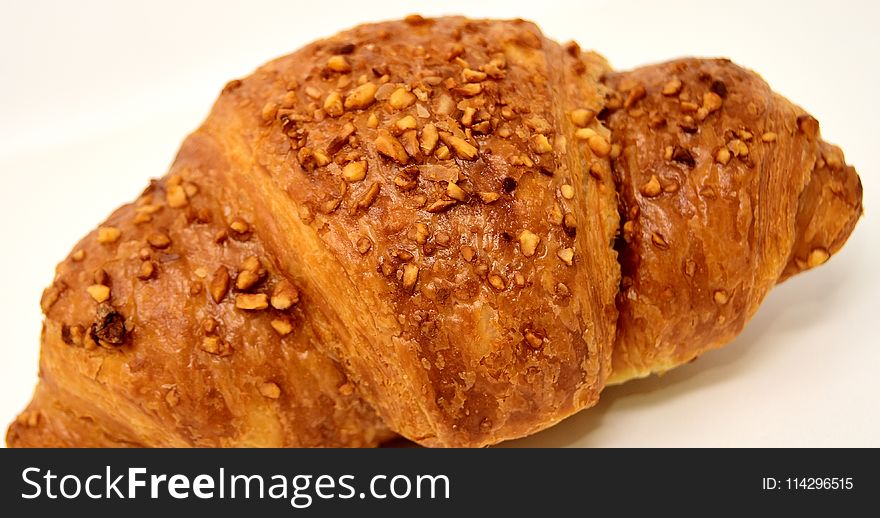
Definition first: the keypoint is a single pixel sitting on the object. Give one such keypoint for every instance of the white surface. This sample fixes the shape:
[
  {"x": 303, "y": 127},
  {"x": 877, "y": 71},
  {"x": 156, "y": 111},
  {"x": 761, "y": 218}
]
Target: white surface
[{"x": 95, "y": 98}]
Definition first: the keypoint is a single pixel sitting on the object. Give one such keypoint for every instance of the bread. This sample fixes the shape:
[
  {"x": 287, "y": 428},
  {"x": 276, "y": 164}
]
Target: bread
[{"x": 456, "y": 231}]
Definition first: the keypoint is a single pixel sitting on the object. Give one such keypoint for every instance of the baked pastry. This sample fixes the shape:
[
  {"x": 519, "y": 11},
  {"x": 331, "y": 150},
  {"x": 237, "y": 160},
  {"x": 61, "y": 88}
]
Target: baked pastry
[{"x": 445, "y": 229}]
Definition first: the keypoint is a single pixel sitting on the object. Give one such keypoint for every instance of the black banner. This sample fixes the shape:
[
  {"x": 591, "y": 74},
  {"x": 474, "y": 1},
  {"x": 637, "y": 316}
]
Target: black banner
[{"x": 419, "y": 482}]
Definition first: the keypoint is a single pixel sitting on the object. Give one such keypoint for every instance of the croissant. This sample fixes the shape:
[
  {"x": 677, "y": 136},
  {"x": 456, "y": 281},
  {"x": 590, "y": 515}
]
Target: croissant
[{"x": 455, "y": 231}]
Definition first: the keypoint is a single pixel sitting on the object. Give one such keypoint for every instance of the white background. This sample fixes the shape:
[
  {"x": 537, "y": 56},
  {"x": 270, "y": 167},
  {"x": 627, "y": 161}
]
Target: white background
[{"x": 95, "y": 98}]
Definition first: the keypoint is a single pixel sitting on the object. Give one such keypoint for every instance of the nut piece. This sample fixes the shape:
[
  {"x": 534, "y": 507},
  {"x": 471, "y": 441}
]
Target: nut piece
[
  {"x": 472, "y": 76},
  {"x": 496, "y": 281},
  {"x": 160, "y": 241},
  {"x": 282, "y": 326},
  {"x": 769, "y": 137},
  {"x": 220, "y": 284},
  {"x": 567, "y": 191},
  {"x": 361, "y": 97},
  {"x": 108, "y": 235},
  {"x": 722, "y": 156},
  {"x": 440, "y": 206},
  {"x": 251, "y": 301},
  {"x": 284, "y": 295},
  {"x": 333, "y": 104},
  {"x": 672, "y": 87},
  {"x": 585, "y": 133},
  {"x": 489, "y": 197},
  {"x": 711, "y": 101},
  {"x": 388, "y": 145},
  {"x": 270, "y": 390},
  {"x": 455, "y": 192},
  {"x": 720, "y": 297},
  {"x": 540, "y": 144},
  {"x": 406, "y": 123},
  {"x": 566, "y": 254},
  {"x": 410, "y": 276},
  {"x": 817, "y": 257},
  {"x": 581, "y": 117},
  {"x": 146, "y": 271},
  {"x": 176, "y": 196},
  {"x": 467, "y": 253},
  {"x": 369, "y": 196},
  {"x": 338, "y": 64},
  {"x": 401, "y": 99},
  {"x": 469, "y": 89},
  {"x": 99, "y": 292},
  {"x": 428, "y": 139},
  {"x": 363, "y": 245},
  {"x": 599, "y": 146},
  {"x": 355, "y": 171},
  {"x": 651, "y": 188},
  {"x": 528, "y": 242},
  {"x": 461, "y": 146}
]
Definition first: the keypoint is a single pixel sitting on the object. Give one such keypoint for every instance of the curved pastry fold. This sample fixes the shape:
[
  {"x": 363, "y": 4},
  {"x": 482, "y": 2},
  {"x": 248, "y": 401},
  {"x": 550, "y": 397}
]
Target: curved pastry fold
[{"x": 446, "y": 229}]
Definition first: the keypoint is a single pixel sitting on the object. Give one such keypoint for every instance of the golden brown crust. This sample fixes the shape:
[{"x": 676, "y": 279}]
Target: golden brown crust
[
  {"x": 411, "y": 226},
  {"x": 721, "y": 181}
]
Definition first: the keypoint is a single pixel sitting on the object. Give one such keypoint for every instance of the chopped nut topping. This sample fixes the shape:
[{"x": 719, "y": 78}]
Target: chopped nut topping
[
  {"x": 372, "y": 121},
  {"x": 215, "y": 345},
  {"x": 442, "y": 153},
  {"x": 615, "y": 151},
  {"x": 355, "y": 171},
  {"x": 160, "y": 241},
  {"x": 388, "y": 145},
  {"x": 635, "y": 94},
  {"x": 410, "y": 276},
  {"x": 251, "y": 301},
  {"x": 585, "y": 133},
  {"x": 220, "y": 284},
  {"x": 469, "y": 89},
  {"x": 440, "y": 206},
  {"x": 360, "y": 97},
  {"x": 720, "y": 297},
  {"x": 455, "y": 192},
  {"x": 108, "y": 235},
  {"x": 406, "y": 123},
  {"x": 738, "y": 147},
  {"x": 581, "y": 117},
  {"x": 567, "y": 191},
  {"x": 312, "y": 92},
  {"x": 722, "y": 156},
  {"x": 270, "y": 390},
  {"x": 363, "y": 245},
  {"x": 252, "y": 271},
  {"x": 534, "y": 341},
  {"x": 467, "y": 253},
  {"x": 79, "y": 255},
  {"x": 419, "y": 233},
  {"x": 99, "y": 292},
  {"x": 651, "y": 188},
  {"x": 462, "y": 148},
  {"x": 270, "y": 110},
  {"x": 338, "y": 63},
  {"x": 808, "y": 126},
  {"x": 176, "y": 196},
  {"x": 599, "y": 146},
  {"x": 282, "y": 326},
  {"x": 711, "y": 101},
  {"x": 429, "y": 139},
  {"x": 369, "y": 196},
  {"x": 489, "y": 197},
  {"x": 146, "y": 271},
  {"x": 688, "y": 106},
  {"x": 672, "y": 87},
  {"x": 566, "y": 254},
  {"x": 333, "y": 104},
  {"x": 528, "y": 242},
  {"x": 109, "y": 326},
  {"x": 472, "y": 76},
  {"x": 496, "y": 281},
  {"x": 667, "y": 153},
  {"x": 540, "y": 144},
  {"x": 239, "y": 226},
  {"x": 769, "y": 137},
  {"x": 817, "y": 257},
  {"x": 284, "y": 295},
  {"x": 401, "y": 99}
]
